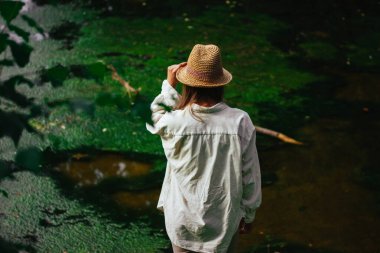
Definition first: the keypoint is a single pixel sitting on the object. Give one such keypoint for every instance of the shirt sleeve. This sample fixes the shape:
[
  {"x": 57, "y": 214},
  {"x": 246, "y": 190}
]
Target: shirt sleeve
[
  {"x": 162, "y": 103},
  {"x": 251, "y": 176}
]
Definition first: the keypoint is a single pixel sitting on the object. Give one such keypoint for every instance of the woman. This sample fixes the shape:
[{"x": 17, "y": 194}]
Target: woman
[{"x": 212, "y": 184}]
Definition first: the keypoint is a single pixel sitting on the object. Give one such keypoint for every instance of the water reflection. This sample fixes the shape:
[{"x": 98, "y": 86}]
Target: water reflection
[
  {"x": 129, "y": 182},
  {"x": 87, "y": 170}
]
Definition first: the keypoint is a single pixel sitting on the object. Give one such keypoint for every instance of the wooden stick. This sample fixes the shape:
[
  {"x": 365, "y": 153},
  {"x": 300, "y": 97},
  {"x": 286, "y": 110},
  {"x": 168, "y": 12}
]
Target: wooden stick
[
  {"x": 126, "y": 84},
  {"x": 277, "y": 135}
]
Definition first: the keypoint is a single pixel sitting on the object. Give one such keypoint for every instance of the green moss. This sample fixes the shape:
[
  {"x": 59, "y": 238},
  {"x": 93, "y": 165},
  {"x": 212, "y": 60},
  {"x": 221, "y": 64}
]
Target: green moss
[{"x": 59, "y": 223}]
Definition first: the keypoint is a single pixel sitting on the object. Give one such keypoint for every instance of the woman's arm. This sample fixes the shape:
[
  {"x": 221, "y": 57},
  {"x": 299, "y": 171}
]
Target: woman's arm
[
  {"x": 166, "y": 100},
  {"x": 251, "y": 175},
  {"x": 162, "y": 103}
]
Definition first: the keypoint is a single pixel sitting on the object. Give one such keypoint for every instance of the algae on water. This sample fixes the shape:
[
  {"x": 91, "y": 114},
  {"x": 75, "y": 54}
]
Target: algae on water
[{"x": 39, "y": 215}]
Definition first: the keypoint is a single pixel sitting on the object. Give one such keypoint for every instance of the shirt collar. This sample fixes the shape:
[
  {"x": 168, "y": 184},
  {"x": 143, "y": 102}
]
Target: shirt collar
[{"x": 215, "y": 108}]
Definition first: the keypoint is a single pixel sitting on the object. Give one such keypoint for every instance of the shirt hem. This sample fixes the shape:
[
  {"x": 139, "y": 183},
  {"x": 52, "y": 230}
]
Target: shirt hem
[{"x": 180, "y": 244}]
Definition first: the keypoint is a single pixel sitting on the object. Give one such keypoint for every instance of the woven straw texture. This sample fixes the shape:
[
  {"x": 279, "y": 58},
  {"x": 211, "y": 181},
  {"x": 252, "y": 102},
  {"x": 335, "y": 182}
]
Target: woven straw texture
[{"x": 204, "y": 68}]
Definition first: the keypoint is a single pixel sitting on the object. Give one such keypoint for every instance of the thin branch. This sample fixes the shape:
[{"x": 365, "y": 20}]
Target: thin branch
[
  {"x": 277, "y": 135},
  {"x": 126, "y": 84}
]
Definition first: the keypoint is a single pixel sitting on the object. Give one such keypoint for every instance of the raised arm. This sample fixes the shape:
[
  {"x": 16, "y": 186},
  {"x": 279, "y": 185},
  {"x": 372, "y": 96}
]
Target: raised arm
[
  {"x": 163, "y": 102},
  {"x": 166, "y": 100},
  {"x": 251, "y": 175}
]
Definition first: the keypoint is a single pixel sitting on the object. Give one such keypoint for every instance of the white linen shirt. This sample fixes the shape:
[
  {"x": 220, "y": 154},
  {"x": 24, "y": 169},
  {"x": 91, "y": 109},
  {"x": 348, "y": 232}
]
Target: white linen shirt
[{"x": 212, "y": 177}]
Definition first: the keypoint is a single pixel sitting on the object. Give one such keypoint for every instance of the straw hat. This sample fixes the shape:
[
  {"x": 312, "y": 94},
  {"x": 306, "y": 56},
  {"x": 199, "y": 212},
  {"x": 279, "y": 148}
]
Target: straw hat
[{"x": 204, "y": 68}]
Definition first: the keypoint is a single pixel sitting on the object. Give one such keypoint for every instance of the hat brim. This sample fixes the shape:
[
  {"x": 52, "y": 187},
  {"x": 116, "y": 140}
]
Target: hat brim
[{"x": 189, "y": 80}]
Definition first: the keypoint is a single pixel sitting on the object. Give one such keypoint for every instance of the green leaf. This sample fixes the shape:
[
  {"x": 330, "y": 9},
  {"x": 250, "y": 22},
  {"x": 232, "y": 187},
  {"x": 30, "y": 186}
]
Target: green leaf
[
  {"x": 20, "y": 52},
  {"x": 29, "y": 158},
  {"x": 4, "y": 193},
  {"x": 32, "y": 23},
  {"x": 10, "y": 9},
  {"x": 3, "y": 42},
  {"x": 22, "y": 33}
]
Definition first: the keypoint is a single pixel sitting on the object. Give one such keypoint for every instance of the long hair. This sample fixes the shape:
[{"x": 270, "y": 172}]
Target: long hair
[{"x": 192, "y": 94}]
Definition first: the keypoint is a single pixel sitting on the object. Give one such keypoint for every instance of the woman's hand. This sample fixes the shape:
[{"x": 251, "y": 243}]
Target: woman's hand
[
  {"x": 172, "y": 79},
  {"x": 244, "y": 228}
]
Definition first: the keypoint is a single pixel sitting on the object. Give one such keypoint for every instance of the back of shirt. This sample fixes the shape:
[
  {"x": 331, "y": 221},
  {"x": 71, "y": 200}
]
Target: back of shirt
[
  {"x": 205, "y": 153},
  {"x": 212, "y": 178}
]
